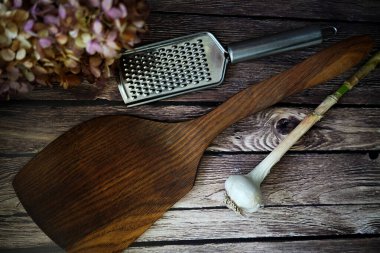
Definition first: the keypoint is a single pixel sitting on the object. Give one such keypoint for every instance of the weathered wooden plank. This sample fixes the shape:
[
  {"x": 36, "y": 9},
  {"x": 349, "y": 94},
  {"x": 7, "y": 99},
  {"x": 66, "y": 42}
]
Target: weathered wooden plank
[
  {"x": 366, "y": 10},
  {"x": 367, "y": 245},
  {"x": 30, "y": 128},
  {"x": 297, "y": 180},
  {"x": 269, "y": 222},
  {"x": 348, "y": 179},
  {"x": 204, "y": 224},
  {"x": 240, "y": 76}
]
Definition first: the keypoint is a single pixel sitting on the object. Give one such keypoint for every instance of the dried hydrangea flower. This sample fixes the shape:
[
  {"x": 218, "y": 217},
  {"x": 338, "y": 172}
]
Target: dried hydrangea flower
[{"x": 44, "y": 41}]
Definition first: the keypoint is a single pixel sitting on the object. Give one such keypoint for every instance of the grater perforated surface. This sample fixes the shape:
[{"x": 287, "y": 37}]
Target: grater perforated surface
[{"x": 168, "y": 68}]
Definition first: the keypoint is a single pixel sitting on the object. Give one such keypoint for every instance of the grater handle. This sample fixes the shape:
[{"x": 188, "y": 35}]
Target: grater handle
[{"x": 277, "y": 43}]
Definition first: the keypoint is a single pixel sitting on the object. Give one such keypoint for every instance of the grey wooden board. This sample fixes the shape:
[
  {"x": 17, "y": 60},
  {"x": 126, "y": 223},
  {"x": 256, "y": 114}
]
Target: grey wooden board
[
  {"x": 218, "y": 224},
  {"x": 364, "y": 10},
  {"x": 337, "y": 187},
  {"x": 365, "y": 245},
  {"x": 323, "y": 196},
  {"x": 28, "y": 129}
]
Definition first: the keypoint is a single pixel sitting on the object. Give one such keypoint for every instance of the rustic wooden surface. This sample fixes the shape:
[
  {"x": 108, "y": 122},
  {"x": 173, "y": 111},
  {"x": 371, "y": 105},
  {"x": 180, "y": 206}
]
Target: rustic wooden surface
[
  {"x": 323, "y": 196},
  {"x": 118, "y": 174}
]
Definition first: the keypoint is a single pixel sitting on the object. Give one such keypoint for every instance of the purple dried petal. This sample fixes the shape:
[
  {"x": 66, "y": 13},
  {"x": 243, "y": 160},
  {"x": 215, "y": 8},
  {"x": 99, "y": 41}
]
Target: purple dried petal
[
  {"x": 17, "y": 3},
  {"x": 97, "y": 27},
  {"x": 108, "y": 52},
  {"x": 53, "y": 29},
  {"x": 51, "y": 20},
  {"x": 33, "y": 10},
  {"x": 62, "y": 12},
  {"x": 112, "y": 36},
  {"x": 112, "y": 44},
  {"x": 93, "y": 47},
  {"x": 106, "y": 5},
  {"x": 114, "y": 13},
  {"x": 45, "y": 42},
  {"x": 28, "y": 26},
  {"x": 94, "y": 3},
  {"x": 74, "y": 3},
  {"x": 123, "y": 10}
]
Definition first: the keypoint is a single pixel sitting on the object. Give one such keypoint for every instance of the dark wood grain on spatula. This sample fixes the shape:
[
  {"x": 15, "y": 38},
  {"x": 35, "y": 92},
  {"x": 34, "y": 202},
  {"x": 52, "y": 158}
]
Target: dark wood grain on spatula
[{"x": 99, "y": 186}]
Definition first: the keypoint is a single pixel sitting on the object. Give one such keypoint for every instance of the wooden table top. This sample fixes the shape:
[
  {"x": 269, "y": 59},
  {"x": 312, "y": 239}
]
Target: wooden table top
[{"x": 323, "y": 196}]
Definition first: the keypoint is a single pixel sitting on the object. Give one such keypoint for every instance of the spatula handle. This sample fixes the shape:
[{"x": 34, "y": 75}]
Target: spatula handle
[{"x": 314, "y": 70}]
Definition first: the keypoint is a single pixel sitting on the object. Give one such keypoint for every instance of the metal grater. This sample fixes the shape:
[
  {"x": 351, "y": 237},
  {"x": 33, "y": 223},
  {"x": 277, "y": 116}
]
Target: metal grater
[
  {"x": 194, "y": 62},
  {"x": 172, "y": 67}
]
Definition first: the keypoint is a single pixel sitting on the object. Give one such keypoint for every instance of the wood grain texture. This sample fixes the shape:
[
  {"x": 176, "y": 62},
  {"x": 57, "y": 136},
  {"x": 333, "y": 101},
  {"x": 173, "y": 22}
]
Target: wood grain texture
[
  {"x": 23, "y": 128},
  {"x": 340, "y": 179},
  {"x": 366, "y": 10},
  {"x": 240, "y": 76},
  {"x": 365, "y": 245},
  {"x": 279, "y": 221},
  {"x": 352, "y": 185},
  {"x": 333, "y": 246},
  {"x": 107, "y": 188}
]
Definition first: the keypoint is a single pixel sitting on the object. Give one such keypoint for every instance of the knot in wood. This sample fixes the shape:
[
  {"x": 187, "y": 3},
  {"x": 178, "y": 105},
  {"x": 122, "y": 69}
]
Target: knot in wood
[{"x": 285, "y": 125}]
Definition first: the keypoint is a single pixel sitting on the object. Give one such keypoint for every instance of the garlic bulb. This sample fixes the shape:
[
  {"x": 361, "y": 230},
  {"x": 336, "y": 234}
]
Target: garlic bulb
[{"x": 244, "y": 192}]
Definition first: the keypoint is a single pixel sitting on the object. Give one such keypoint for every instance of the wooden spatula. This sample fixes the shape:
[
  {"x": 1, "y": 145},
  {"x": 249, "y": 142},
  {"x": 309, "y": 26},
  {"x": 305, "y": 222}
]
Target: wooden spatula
[{"x": 99, "y": 186}]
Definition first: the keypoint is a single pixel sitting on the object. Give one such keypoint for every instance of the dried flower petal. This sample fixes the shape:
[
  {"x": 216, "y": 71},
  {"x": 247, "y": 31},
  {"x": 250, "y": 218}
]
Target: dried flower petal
[
  {"x": 97, "y": 27},
  {"x": 13, "y": 72},
  {"x": 11, "y": 30},
  {"x": 7, "y": 54},
  {"x": 74, "y": 33},
  {"x": 29, "y": 25},
  {"x": 114, "y": 13},
  {"x": 93, "y": 47},
  {"x": 94, "y": 3},
  {"x": 39, "y": 70},
  {"x": 28, "y": 74},
  {"x": 61, "y": 38},
  {"x": 106, "y": 5},
  {"x": 62, "y": 12},
  {"x": 20, "y": 16},
  {"x": 70, "y": 63},
  {"x": 24, "y": 42},
  {"x": 21, "y": 53},
  {"x": 28, "y": 64},
  {"x": 64, "y": 41},
  {"x": 51, "y": 20},
  {"x": 45, "y": 42},
  {"x": 123, "y": 10},
  {"x": 17, "y": 3},
  {"x": 95, "y": 61}
]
